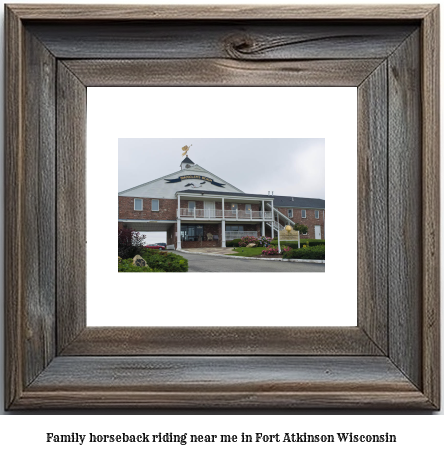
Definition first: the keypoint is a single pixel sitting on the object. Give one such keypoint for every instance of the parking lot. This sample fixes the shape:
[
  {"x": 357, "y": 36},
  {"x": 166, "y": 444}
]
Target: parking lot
[{"x": 209, "y": 263}]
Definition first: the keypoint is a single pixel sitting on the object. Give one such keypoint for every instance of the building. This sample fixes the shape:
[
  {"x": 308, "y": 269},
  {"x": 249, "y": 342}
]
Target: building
[{"x": 207, "y": 211}]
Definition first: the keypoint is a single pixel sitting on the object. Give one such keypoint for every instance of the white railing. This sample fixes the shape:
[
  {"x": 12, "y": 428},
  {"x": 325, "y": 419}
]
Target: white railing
[
  {"x": 229, "y": 213},
  {"x": 201, "y": 213},
  {"x": 276, "y": 226},
  {"x": 281, "y": 215},
  {"x": 230, "y": 235}
]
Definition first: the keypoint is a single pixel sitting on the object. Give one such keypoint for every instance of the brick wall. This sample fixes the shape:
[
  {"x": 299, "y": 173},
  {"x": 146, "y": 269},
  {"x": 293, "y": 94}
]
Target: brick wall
[
  {"x": 310, "y": 221},
  {"x": 167, "y": 209},
  {"x": 171, "y": 235}
]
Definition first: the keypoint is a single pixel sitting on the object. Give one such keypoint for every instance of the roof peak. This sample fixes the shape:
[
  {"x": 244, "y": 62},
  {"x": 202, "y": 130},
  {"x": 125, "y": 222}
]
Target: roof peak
[{"x": 187, "y": 160}]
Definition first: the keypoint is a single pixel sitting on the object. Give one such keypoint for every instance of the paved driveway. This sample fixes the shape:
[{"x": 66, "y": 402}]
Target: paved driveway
[{"x": 208, "y": 263}]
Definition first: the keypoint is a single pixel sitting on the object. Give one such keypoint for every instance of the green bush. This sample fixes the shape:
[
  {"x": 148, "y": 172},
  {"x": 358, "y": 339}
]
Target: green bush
[
  {"x": 165, "y": 261},
  {"x": 309, "y": 253},
  {"x": 233, "y": 243},
  {"x": 128, "y": 266},
  {"x": 315, "y": 242}
]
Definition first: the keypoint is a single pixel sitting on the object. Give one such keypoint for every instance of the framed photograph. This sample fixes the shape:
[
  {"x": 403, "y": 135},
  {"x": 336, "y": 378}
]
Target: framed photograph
[{"x": 389, "y": 359}]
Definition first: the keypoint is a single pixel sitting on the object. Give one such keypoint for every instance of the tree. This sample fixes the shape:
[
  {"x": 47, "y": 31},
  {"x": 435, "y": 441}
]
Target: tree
[
  {"x": 130, "y": 243},
  {"x": 303, "y": 229}
]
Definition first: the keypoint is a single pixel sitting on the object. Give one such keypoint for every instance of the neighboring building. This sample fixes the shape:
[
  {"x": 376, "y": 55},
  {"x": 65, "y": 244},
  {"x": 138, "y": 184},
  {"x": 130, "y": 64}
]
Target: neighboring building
[{"x": 208, "y": 211}]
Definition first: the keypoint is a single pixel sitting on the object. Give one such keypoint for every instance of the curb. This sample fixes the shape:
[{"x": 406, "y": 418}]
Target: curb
[{"x": 249, "y": 258}]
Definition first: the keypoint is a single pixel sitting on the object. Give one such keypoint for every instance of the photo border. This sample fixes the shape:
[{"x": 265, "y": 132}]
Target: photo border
[{"x": 390, "y": 360}]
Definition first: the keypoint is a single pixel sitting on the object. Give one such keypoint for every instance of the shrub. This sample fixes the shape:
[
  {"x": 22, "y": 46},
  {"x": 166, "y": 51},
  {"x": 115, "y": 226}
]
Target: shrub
[
  {"x": 309, "y": 253},
  {"x": 270, "y": 251},
  {"x": 301, "y": 228},
  {"x": 130, "y": 243},
  {"x": 233, "y": 243},
  {"x": 164, "y": 261},
  {"x": 247, "y": 240},
  {"x": 128, "y": 266},
  {"x": 263, "y": 241},
  {"x": 315, "y": 242}
]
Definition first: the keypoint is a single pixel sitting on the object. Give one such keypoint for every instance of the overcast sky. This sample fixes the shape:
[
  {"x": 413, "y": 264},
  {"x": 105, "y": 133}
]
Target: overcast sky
[{"x": 289, "y": 167}]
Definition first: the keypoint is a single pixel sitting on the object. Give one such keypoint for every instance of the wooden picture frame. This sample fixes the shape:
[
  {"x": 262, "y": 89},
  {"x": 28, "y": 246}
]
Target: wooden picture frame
[{"x": 390, "y": 360}]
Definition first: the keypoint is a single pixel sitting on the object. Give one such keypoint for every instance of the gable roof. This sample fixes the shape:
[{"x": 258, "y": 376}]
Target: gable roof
[
  {"x": 194, "y": 168},
  {"x": 294, "y": 201}
]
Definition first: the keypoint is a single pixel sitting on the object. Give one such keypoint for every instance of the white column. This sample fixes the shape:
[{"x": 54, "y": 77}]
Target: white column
[
  {"x": 223, "y": 234},
  {"x": 272, "y": 219},
  {"x": 263, "y": 211},
  {"x": 223, "y": 208},
  {"x": 179, "y": 241},
  {"x": 179, "y": 244},
  {"x": 263, "y": 228}
]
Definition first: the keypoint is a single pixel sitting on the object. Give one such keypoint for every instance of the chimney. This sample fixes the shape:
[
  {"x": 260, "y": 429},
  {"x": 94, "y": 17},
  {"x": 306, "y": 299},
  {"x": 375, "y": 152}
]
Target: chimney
[{"x": 272, "y": 192}]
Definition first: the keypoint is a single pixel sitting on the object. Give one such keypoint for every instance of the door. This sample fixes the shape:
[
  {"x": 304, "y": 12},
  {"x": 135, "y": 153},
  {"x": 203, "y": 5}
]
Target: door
[
  {"x": 210, "y": 209},
  {"x": 317, "y": 231}
]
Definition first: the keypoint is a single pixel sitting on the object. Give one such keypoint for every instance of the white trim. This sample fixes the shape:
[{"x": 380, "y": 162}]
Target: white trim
[
  {"x": 288, "y": 213},
  {"x": 141, "y": 199},
  {"x": 303, "y": 216},
  {"x": 317, "y": 210},
  {"x": 158, "y": 205},
  {"x": 221, "y": 195}
]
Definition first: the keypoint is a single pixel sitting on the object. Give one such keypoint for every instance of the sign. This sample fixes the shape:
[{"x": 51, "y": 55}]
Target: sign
[{"x": 195, "y": 176}]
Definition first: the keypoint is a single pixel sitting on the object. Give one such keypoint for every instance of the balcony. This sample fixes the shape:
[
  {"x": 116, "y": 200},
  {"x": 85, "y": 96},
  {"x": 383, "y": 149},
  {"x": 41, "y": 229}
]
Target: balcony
[{"x": 217, "y": 214}]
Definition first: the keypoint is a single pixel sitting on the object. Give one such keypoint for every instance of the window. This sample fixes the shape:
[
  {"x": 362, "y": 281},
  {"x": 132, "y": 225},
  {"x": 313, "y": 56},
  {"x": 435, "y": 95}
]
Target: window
[
  {"x": 317, "y": 214},
  {"x": 304, "y": 213},
  {"x": 290, "y": 213},
  {"x": 233, "y": 208},
  {"x": 191, "y": 232},
  {"x": 248, "y": 207},
  {"x": 192, "y": 205},
  {"x": 234, "y": 228},
  {"x": 138, "y": 204},
  {"x": 155, "y": 205}
]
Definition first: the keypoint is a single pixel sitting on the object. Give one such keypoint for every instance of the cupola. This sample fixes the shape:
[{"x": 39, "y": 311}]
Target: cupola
[{"x": 186, "y": 163}]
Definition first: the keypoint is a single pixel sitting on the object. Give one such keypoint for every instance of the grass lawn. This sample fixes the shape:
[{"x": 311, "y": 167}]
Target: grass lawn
[{"x": 247, "y": 252}]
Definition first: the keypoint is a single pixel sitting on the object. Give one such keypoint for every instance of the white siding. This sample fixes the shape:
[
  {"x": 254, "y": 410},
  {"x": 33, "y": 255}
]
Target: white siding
[{"x": 159, "y": 188}]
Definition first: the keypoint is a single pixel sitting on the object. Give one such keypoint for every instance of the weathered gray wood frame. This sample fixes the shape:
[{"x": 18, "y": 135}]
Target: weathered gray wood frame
[{"x": 390, "y": 360}]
